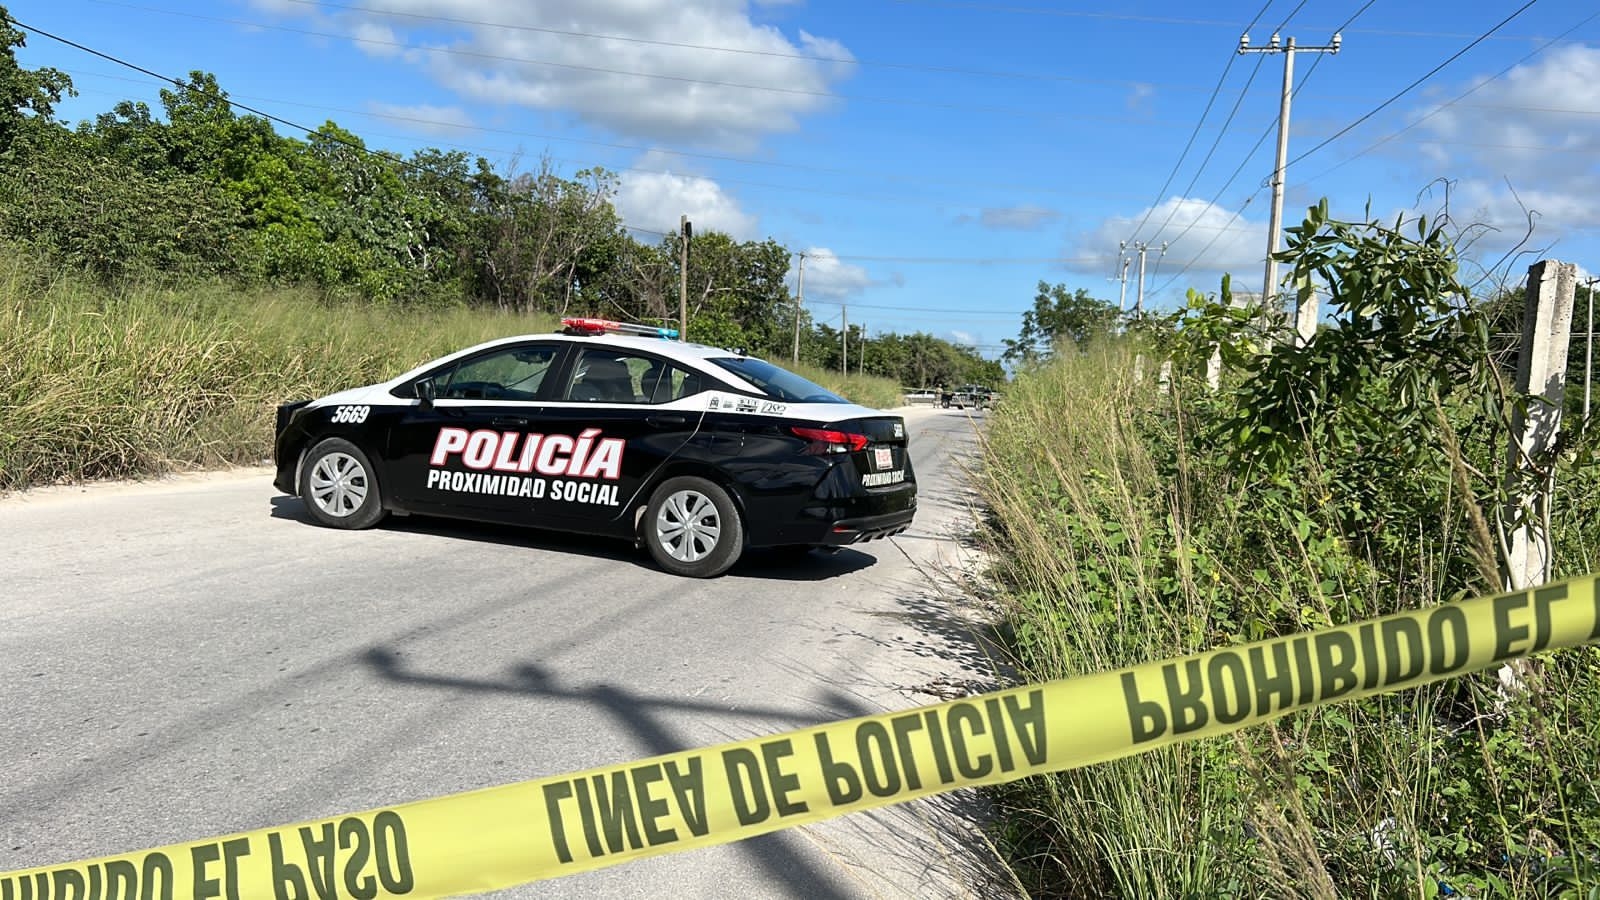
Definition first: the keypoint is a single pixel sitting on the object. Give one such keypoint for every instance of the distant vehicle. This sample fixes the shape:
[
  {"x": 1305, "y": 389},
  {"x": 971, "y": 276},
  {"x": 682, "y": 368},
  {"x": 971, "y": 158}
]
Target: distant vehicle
[
  {"x": 607, "y": 429},
  {"x": 974, "y": 395}
]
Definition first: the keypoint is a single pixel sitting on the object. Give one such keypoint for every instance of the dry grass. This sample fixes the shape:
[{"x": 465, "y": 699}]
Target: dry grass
[{"x": 98, "y": 383}]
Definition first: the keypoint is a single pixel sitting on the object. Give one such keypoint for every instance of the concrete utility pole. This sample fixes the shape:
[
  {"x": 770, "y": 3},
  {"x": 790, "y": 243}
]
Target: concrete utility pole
[
  {"x": 799, "y": 298},
  {"x": 1269, "y": 289},
  {"x": 684, "y": 230},
  {"x": 1141, "y": 246},
  {"x": 861, "y": 352},
  {"x": 1122, "y": 294}
]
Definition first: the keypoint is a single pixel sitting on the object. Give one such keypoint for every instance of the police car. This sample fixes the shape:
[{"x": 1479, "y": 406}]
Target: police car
[{"x": 607, "y": 429}]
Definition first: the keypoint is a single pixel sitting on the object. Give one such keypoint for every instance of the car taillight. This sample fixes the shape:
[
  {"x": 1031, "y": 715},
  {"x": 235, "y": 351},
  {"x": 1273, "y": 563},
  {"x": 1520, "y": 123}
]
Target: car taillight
[{"x": 824, "y": 440}]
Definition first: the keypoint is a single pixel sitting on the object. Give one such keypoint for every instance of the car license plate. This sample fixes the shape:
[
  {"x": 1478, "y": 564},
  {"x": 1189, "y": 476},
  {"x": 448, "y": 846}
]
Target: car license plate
[{"x": 882, "y": 458}]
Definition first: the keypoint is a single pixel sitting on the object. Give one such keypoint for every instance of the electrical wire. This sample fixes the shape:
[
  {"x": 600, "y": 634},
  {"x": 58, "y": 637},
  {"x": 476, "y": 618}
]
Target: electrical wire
[
  {"x": 424, "y": 169},
  {"x": 1021, "y": 112},
  {"x": 1467, "y": 93},
  {"x": 1266, "y": 133},
  {"x": 1260, "y": 60},
  {"x": 1207, "y": 248},
  {"x": 1215, "y": 92},
  {"x": 843, "y": 60},
  {"x": 1286, "y": 19},
  {"x": 1408, "y": 88},
  {"x": 1203, "y": 23},
  {"x": 666, "y": 151}
]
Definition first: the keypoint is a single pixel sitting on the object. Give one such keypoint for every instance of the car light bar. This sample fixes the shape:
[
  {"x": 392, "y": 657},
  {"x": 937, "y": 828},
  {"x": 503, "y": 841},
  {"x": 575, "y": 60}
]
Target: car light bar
[{"x": 602, "y": 326}]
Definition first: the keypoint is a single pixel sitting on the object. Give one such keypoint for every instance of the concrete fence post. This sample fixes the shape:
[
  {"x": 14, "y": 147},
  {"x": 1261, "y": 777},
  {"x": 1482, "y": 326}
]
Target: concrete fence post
[{"x": 1542, "y": 377}]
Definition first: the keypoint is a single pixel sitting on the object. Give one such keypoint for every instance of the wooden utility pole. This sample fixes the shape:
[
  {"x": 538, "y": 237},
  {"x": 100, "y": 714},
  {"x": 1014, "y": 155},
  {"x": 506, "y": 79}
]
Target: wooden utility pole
[{"x": 684, "y": 230}]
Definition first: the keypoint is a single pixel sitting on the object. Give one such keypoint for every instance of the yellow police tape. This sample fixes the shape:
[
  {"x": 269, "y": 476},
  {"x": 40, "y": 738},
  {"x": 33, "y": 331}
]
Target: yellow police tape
[{"x": 502, "y": 836}]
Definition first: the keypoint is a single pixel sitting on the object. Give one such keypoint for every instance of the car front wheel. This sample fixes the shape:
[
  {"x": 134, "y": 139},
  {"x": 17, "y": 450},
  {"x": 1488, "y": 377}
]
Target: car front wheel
[
  {"x": 339, "y": 487},
  {"x": 692, "y": 528}
]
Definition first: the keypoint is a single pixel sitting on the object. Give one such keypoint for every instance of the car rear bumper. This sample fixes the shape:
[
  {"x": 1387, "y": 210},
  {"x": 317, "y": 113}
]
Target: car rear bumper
[
  {"x": 868, "y": 528},
  {"x": 838, "y": 512}
]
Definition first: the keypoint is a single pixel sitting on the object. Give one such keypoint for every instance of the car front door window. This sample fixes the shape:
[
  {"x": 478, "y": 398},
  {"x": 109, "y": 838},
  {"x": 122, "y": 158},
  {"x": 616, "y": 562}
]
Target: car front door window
[{"x": 512, "y": 374}]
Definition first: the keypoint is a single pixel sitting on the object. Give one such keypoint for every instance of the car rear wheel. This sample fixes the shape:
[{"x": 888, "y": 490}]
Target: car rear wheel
[
  {"x": 339, "y": 487},
  {"x": 692, "y": 528}
]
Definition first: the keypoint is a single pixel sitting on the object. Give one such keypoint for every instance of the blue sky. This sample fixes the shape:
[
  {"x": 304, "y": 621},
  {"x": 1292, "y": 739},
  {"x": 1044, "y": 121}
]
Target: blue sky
[{"x": 934, "y": 158}]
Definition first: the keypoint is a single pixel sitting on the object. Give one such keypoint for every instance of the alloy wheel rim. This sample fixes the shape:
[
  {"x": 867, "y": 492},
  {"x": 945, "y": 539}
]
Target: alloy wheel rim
[
  {"x": 338, "y": 484},
  {"x": 688, "y": 526}
]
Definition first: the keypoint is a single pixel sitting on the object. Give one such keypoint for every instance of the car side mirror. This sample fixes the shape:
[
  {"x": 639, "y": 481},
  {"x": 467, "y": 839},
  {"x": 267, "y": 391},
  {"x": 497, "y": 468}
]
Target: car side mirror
[{"x": 426, "y": 392}]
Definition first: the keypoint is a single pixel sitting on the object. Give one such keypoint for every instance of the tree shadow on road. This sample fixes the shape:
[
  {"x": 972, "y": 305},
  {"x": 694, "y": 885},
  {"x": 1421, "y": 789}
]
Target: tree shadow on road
[{"x": 776, "y": 855}]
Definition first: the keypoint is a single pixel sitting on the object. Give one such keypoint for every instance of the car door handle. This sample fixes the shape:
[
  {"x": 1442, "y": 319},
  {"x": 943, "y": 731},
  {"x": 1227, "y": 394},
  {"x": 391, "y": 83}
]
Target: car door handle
[
  {"x": 509, "y": 421},
  {"x": 663, "y": 421}
]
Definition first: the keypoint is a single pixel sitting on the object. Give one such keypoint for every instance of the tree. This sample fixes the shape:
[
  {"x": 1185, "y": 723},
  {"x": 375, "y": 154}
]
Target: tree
[
  {"x": 737, "y": 295},
  {"x": 543, "y": 238},
  {"x": 25, "y": 94},
  {"x": 1058, "y": 315}
]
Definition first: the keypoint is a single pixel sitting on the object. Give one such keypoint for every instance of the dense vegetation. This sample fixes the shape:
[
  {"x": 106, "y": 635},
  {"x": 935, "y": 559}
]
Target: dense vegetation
[
  {"x": 198, "y": 192},
  {"x": 1354, "y": 476}
]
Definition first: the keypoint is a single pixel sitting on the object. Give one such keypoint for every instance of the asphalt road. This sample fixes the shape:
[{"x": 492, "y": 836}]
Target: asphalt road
[{"x": 192, "y": 657}]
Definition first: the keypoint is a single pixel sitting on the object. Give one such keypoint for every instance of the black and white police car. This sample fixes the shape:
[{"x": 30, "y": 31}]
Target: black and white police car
[{"x": 607, "y": 429}]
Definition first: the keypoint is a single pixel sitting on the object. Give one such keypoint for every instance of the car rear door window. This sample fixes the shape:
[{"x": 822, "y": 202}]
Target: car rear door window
[{"x": 616, "y": 376}]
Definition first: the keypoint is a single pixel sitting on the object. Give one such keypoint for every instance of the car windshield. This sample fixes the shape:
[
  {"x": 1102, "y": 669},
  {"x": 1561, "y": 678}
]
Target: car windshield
[{"x": 779, "y": 384}]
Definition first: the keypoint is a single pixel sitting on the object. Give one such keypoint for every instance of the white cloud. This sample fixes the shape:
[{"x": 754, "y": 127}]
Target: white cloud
[
  {"x": 1193, "y": 230},
  {"x": 439, "y": 120},
  {"x": 1531, "y": 135},
  {"x": 656, "y": 200},
  {"x": 693, "y": 99},
  {"x": 1139, "y": 96},
  {"x": 963, "y": 337},
  {"x": 830, "y": 278},
  {"x": 1026, "y": 217},
  {"x": 375, "y": 39}
]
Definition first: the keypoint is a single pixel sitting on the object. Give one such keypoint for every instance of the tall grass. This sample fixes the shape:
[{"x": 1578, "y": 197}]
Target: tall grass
[
  {"x": 1120, "y": 540},
  {"x": 867, "y": 390},
  {"x": 102, "y": 382}
]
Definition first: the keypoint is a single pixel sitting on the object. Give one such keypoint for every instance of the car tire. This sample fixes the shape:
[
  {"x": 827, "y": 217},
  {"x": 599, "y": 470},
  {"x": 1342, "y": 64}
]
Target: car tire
[
  {"x": 339, "y": 486},
  {"x": 692, "y": 528}
]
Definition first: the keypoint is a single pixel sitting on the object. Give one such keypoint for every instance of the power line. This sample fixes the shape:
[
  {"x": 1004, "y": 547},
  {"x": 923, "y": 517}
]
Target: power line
[
  {"x": 1214, "y": 144},
  {"x": 1200, "y": 23},
  {"x": 1467, "y": 93},
  {"x": 1215, "y": 91},
  {"x": 973, "y": 260},
  {"x": 1408, "y": 88},
  {"x": 919, "y": 200},
  {"x": 1266, "y": 133},
  {"x": 916, "y": 309},
  {"x": 182, "y": 86},
  {"x": 1207, "y": 248},
  {"x": 1286, "y": 19},
  {"x": 667, "y": 151},
  {"x": 662, "y": 76},
  {"x": 846, "y": 60}
]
